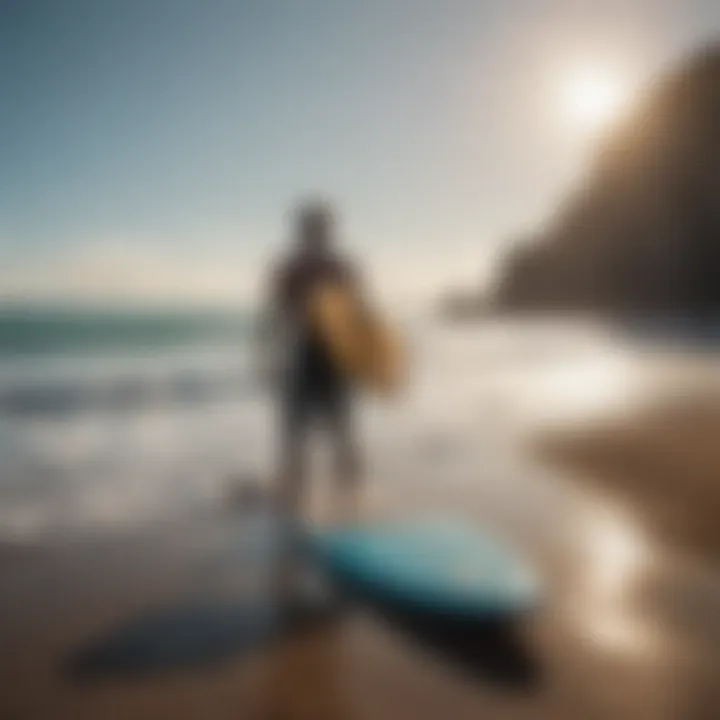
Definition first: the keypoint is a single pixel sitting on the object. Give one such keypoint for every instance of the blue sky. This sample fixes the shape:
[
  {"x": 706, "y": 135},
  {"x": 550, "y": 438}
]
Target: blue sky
[{"x": 152, "y": 147}]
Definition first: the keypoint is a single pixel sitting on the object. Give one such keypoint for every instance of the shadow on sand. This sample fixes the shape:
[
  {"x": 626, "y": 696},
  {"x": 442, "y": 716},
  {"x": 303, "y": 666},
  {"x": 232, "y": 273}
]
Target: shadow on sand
[
  {"x": 187, "y": 637},
  {"x": 496, "y": 651},
  {"x": 201, "y": 635}
]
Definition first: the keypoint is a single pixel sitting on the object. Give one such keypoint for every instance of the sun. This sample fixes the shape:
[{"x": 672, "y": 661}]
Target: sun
[{"x": 592, "y": 98}]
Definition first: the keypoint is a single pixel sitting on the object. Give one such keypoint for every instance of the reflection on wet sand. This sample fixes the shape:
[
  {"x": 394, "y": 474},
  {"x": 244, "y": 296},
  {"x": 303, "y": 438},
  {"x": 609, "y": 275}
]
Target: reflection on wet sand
[{"x": 616, "y": 559}]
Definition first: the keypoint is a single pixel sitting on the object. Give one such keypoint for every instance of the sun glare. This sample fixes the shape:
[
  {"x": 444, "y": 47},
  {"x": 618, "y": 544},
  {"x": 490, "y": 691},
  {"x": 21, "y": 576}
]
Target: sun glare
[{"x": 592, "y": 98}]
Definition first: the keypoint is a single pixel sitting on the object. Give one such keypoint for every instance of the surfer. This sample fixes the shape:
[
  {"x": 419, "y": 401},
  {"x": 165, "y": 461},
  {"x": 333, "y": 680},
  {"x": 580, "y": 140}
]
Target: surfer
[{"x": 312, "y": 388}]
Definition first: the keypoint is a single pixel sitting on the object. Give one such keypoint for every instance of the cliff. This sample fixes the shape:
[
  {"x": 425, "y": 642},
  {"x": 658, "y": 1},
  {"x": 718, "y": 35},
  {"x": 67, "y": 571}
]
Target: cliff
[{"x": 642, "y": 236}]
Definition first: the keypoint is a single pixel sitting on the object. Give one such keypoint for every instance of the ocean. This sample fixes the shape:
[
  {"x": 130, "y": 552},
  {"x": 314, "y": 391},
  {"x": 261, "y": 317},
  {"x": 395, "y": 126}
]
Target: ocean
[{"x": 115, "y": 419}]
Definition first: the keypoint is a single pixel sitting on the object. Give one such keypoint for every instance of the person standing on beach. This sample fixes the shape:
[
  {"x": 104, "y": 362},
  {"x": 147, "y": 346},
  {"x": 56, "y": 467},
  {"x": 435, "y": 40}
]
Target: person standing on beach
[{"x": 312, "y": 388}]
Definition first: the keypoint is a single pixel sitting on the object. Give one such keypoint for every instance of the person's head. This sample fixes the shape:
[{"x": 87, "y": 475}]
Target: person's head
[{"x": 315, "y": 227}]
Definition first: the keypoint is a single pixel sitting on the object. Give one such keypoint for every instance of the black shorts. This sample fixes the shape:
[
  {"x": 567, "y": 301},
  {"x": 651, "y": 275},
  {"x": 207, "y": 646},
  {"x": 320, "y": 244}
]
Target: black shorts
[
  {"x": 316, "y": 394},
  {"x": 310, "y": 404}
]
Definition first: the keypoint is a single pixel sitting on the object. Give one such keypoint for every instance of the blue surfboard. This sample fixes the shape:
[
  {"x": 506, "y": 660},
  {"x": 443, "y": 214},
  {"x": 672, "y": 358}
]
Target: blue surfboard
[{"x": 447, "y": 568}]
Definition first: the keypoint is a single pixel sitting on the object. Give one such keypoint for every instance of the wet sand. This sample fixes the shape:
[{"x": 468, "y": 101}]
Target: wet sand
[
  {"x": 630, "y": 629},
  {"x": 664, "y": 460}
]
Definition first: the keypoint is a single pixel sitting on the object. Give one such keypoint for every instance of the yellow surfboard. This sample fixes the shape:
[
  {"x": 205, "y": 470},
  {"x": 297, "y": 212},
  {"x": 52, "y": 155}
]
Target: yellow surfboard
[{"x": 365, "y": 347}]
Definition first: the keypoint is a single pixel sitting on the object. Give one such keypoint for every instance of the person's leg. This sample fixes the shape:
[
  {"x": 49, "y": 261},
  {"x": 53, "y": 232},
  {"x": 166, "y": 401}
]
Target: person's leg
[
  {"x": 346, "y": 457},
  {"x": 293, "y": 429},
  {"x": 290, "y": 489},
  {"x": 292, "y": 472}
]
